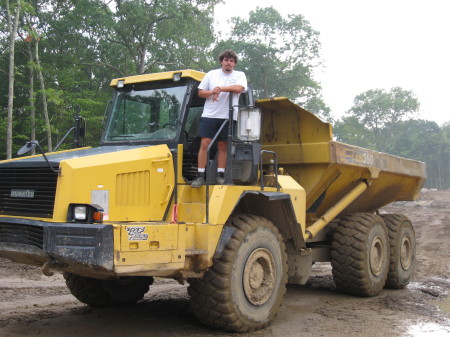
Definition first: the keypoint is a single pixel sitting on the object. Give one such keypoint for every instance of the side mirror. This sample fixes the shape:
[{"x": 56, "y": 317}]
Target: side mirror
[
  {"x": 28, "y": 147},
  {"x": 249, "y": 124},
  {"x": 80, "y": 131}
]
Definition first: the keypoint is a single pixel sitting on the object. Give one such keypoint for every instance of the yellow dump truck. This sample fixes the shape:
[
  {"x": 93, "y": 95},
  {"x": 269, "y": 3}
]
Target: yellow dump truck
[{"x": 112, "y": 218}]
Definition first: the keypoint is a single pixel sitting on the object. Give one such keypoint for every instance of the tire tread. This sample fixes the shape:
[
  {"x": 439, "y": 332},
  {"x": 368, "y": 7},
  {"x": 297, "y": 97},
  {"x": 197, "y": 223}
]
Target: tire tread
[
  {"x": 349, "y": 254},
  {"x": 211, "y": 298}
]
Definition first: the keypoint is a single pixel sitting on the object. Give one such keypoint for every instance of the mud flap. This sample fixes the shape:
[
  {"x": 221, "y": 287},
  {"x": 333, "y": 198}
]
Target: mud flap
[
  {"x": 227, "y": 232},
  {"x": 299, "y": 267}
]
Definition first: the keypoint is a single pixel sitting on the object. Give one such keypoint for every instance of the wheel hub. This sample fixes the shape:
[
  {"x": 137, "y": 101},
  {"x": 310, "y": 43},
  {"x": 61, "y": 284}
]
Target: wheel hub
[
  {"x": 377, "y": 256},
  {"x": 259, "y": 276},
  {"x": 405, "y": 253}
]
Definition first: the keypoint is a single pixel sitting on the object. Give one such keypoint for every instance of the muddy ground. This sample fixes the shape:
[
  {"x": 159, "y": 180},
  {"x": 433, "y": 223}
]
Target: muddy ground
[{"x": 32, "y": 304}]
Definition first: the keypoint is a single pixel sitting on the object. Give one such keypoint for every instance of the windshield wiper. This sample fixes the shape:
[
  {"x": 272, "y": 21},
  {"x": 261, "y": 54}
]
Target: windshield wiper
[{"x": 124, "y": 136}]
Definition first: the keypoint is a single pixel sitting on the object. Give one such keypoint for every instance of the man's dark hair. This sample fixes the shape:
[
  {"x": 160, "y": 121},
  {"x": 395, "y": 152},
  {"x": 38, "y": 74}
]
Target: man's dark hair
[{"x": 228, "y": 54}]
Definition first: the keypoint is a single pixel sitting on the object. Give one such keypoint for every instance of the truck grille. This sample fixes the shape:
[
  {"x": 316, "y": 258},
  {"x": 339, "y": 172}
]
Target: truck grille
[
  {"x": 27, "y": 191},
  {"x": 21, "y": 234}
]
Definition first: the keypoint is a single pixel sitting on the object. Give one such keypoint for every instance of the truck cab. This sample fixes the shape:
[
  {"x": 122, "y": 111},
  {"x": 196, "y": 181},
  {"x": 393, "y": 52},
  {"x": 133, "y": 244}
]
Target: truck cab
[{"x": 150, "y": 110}]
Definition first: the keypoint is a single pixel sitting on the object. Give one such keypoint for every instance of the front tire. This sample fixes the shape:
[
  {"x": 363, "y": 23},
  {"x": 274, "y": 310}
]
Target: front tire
[
  {"x": 244, "y": 288},
  {"x": 107, "y": 293},
  {"x": 403, "y": 250},
  {"x": 360, "y": 254}
]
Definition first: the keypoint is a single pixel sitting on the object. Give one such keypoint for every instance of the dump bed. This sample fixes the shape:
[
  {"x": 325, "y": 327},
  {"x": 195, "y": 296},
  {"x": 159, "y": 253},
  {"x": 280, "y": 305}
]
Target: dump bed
[{"x": 327, "y": 169}]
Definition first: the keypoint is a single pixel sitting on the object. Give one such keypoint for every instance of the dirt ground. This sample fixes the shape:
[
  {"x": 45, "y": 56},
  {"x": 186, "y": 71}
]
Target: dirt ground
[{"x": 32, "y": 304}]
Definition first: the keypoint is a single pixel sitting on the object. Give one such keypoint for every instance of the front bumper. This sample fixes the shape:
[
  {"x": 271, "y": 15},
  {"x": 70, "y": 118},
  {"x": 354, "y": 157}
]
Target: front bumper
[{"x": 65, "y": 245}]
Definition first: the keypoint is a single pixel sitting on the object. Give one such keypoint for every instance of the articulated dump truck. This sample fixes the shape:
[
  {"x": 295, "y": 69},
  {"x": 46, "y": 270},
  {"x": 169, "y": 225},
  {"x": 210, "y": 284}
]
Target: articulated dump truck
[{"x": 113, "y": 217}]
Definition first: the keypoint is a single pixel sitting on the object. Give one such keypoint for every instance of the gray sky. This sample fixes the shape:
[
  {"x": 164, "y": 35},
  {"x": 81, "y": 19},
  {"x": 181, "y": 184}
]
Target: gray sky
[{"x": 373, "y": 44}]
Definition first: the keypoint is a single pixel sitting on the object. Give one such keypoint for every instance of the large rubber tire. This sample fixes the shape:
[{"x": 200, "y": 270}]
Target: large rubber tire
[
  {"x": 360, "y": 254},
  {"x": 245, "y": 286},
  {"x": 403, "y": 250},
  {"x": 107, "y": 293}
]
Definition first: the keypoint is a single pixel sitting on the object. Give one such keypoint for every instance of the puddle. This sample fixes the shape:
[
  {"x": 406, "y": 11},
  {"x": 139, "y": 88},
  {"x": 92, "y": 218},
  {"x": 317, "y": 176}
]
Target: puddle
[
  {"x": 444, "y": 306},
  {"x": 427, "y": 329}
]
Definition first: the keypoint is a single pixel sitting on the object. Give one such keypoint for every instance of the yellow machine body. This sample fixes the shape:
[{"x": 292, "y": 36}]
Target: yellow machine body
[{"x": 155, "y": 224}]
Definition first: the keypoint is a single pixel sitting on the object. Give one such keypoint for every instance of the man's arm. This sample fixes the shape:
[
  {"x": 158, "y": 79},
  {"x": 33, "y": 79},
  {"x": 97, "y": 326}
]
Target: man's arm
[
  {"x": 205, "y": 93},
  {"x": 236, "y": 88}
]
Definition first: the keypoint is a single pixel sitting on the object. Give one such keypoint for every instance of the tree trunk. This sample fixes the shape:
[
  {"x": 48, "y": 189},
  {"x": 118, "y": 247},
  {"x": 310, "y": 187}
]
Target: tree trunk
[
  {"x": 32, "y": 94},
  {"x": 141, "y": 67},
  {"x": 44, "y": 97},
  {"x": 32, "y": 106},
  {"x": 12, "y": 36},
  {"x": 266, "y": 87}
]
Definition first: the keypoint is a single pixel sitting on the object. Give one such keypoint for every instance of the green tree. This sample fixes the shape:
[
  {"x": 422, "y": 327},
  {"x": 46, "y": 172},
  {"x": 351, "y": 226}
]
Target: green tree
[
  {"x": 138, "y": 36},
  {"x": 279, "y": 56},
  {"x": 380, "y": 111},
  {"x": 350, "y": 130},
  {"x": 165, "y": 33},
  {"x": 446, "y": 131},
  {"x": 425, "y": 141},
  {"x": 83, "y": 44}
]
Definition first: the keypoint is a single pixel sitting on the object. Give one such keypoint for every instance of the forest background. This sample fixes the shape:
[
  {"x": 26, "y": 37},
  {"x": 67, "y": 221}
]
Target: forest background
[{"x": 59, "y": 56}]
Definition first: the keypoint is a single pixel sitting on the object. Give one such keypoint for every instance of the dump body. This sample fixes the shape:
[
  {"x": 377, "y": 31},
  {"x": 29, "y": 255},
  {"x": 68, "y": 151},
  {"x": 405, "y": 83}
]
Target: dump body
[{"x": 327, "y": 169}]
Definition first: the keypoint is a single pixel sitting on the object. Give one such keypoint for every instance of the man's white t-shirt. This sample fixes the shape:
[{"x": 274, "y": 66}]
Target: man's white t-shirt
[{"x": 218, "y": 78}]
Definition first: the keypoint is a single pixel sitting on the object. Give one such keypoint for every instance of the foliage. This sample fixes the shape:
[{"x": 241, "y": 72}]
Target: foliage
[
  {"x": 378, "y": 121},
  {"x": 131, "y": 37},
  {"x": 350, "y": 130},
  {"x": 380, "y": 110},
  {"x": 425, "y": 141},
  {"x": 83, "y": 44}
]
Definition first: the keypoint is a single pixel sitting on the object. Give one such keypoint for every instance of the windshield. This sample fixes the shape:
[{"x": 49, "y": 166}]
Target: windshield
[{"x": 149, "y": 111}]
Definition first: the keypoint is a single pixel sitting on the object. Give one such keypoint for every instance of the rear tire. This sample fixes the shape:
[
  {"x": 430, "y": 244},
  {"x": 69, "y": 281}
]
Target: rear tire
[
  {"x": 403, "y": 250},
  {"x": 245, "y": 286},
  {"x": 360, "y": 254},
  {"x": 107, "y": 293}
]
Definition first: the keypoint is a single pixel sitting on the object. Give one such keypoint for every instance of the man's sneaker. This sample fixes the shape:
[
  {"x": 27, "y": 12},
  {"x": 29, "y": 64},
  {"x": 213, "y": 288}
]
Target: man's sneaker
[
  {"x": 220, "y": 178},
  {"x": 199, "y": 181}
]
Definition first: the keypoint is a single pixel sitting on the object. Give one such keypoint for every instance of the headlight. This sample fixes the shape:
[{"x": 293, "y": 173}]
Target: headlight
[
  {"x": 80, "y": 213},
  {"x": 87, "y": 213},
  {"x": 176, "y": 77}
]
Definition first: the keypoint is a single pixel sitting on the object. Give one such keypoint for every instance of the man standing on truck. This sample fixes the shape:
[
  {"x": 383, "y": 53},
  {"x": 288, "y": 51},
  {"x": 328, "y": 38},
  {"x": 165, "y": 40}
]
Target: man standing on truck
[{"x": 216, "y": 87}]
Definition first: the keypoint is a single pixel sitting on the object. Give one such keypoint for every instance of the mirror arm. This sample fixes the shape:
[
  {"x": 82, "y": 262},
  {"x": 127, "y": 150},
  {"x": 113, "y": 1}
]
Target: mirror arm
[
  {"x": 29, "y": 146},
  {"x": 58, "y": 171},
  {"x": 64, "y": 138}
]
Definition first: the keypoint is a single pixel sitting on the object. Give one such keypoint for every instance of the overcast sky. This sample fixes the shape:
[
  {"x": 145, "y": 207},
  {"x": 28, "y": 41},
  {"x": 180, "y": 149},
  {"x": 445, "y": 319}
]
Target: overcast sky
[{"x": 374, "y": 44}]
